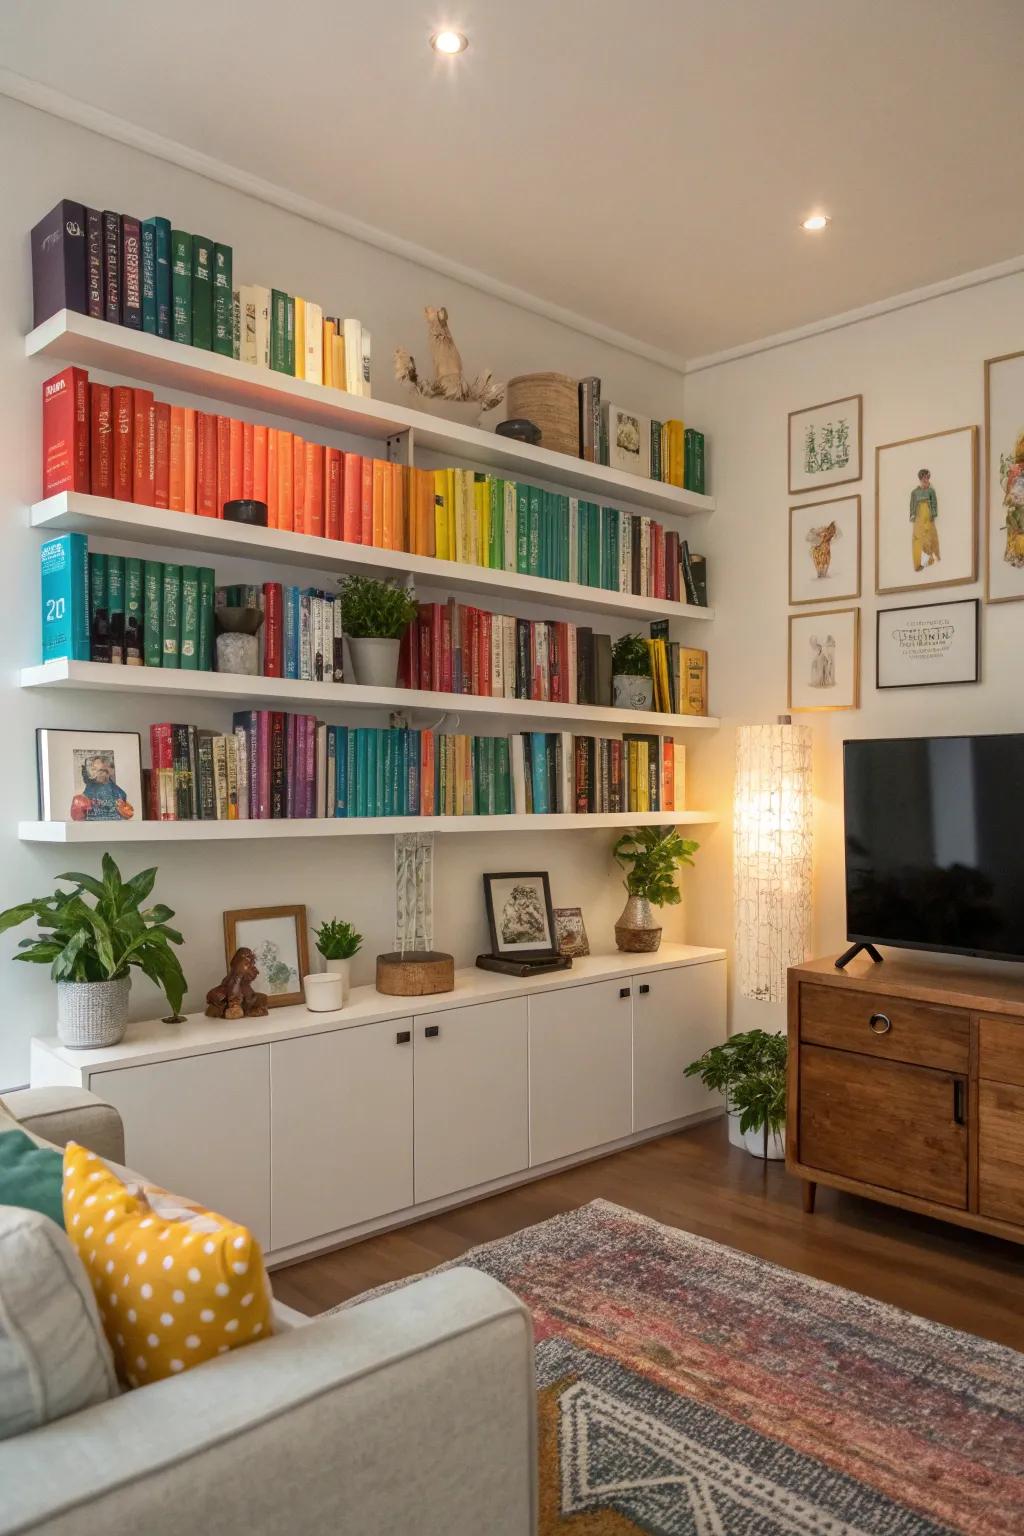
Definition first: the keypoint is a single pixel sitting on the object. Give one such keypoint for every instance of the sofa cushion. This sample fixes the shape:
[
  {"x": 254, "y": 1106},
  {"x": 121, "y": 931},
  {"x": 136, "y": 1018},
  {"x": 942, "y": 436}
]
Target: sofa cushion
[
  {"x": 30, "y": 1175},
  {"x": 175, "y": 1284},
  {"x": 54, "y": 1357}
]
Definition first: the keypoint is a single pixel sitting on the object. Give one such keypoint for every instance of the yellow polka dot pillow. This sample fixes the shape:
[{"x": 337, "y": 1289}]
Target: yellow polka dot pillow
[{"x": 175, "y": 1284}]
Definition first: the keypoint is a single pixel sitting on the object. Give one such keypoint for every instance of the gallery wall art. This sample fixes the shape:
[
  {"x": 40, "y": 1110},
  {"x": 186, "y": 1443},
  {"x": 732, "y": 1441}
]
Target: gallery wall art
[
  {"x": 928, "y": 644},
  {"x": 824, "y": 550},
  {"x": 824, "y": 659},
  {"x": 926, "y": 511},
  {"x": 1004, "y": 478},
  {"x": 825, "y": 444}
]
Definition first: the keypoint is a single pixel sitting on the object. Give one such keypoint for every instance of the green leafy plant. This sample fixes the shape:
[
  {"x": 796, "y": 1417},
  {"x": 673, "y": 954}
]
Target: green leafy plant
[
  {"x": 337, "y": 940},
  {"x": 630, "y": 657},
  {"x": 375, "y": 610},
  {"x": 102, "y": 942},
  {"x": 651, "y": 858},
  {"x": 750, "y": 1069}
]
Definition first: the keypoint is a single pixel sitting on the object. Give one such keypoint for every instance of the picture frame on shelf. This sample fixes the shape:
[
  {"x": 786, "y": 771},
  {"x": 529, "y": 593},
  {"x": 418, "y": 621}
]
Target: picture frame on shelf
[
  {"x": 629, "y": 441},
  {"x": 570, "y": 932},
  {"x": 89, "y": 775},
  {"x": 926, "y": 511},
  {"x": 824, "y": 660},
  {"x": 279, "y": 940},
  {"x": 928, "y": 644},
  {"x": 520, "y": 916},
  {"x": 825, "y": 445},
  {"x": 824, "y": 551},
  {"x": 1004, "y": 478}
]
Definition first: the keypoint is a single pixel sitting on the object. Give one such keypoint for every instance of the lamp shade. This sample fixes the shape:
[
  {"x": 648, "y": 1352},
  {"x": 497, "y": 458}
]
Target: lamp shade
[{"x": 772, "y": 856}]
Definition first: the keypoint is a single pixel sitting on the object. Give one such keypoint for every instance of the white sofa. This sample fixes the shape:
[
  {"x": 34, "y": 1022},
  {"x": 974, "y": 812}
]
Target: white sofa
[{"x": 411, "y": 1413}]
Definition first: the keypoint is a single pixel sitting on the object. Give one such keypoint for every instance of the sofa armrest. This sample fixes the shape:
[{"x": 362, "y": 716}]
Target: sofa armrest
[
  {"x": 60, "y": 1115},
  {"x": 414, "y": 1411}
]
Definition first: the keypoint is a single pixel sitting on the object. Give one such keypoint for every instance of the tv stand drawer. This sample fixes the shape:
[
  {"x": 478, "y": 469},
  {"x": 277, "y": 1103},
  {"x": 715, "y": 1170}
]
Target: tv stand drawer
[{"x": 847, "y": 1019}]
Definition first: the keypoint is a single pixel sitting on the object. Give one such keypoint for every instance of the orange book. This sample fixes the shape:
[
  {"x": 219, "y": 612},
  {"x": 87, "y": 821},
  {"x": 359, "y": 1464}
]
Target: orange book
[
  {"x": 259, "y": 462},
  {"x": 123, "y": 415},
  {"x": 381, "y": 492},
  {"x": 143, "y": 448},
  {"x": 313, "y": 490},
  {"x": 273, "y": 477},
  {"x": 426, "y": 773},
  {"x": 206, "y": 464},
  {"x": 223, "y": 462},
  {"x": 366, "y": 503},
  {"x": 190, "y": 458},
  {"x": 351, "y": 499},
  {"x": 400, "y": 492},
  {"x": 161, "y": 455},
  {"x": 285, "y": 481},
  {"x": 248, "y": 450},
  {"x": 299, "y": 485},
  {"x": 235, "y": 454},
  {"x": 426, "y": 499},
  {"x": 176, "y": 481},
  {"x": 332, "y": 492}
]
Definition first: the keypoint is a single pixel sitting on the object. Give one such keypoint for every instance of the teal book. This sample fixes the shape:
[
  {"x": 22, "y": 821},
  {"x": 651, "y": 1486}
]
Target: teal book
[
  {"x": 206, "y": 581},
  {"x": 351, "y": 770},
  {"x": 279, "y": 331},
  {"x": 340, "y": 736},
  {"x": 582, "y": 574},
  {"x": 64, "y": 572},
  {"x": 170, "y": 626},
  {"x": 147, "y": 231},
  {"x": 181, "y": 286},
  {"x": 189, "y": 640},
  {"x": 388, "y": 775},
  {"x": 522, "y": 529},
  {"x": 202, "y": 292},
  {"x": 615, "y": 530},
  {"x": 539, "y": 771},
  {"x": 152, "y": 605},
  {"x": 367, "y": 765},
  {"x": 379, "y": 791},
  {"x": 115, "y": 605},
  {"x": 593, "y": 544},
  {"x": 223, "y": 320},
  {"x": 134, "y": 612}
]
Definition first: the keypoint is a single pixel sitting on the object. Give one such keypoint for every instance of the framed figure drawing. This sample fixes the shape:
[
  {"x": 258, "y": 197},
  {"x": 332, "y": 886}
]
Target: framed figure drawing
[
  {"x": 519, "y": 914},
  {"x": 277, "y": 937},
  {"x": 1004, "y": 478},
  {"x": 824, "y": 550},
  {"x": 929, "y": 643},
  {"x": 824, "y": 659},
  {"x": 926, "y": 511},
  {"x": 825, "y": 444}
]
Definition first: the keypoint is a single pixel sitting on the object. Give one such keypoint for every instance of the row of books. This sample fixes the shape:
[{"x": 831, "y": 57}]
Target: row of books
[
  {"x": 301, "y": 635},
  {"x": 275, "y": 765},
  {"x": 142, "y": 274},
  {"x": 667, "y": 451}
]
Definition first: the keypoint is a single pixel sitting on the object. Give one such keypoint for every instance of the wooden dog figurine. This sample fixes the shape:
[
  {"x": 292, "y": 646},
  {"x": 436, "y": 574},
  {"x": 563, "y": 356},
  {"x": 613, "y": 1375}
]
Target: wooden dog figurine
[{"x": 234, "y": 997}]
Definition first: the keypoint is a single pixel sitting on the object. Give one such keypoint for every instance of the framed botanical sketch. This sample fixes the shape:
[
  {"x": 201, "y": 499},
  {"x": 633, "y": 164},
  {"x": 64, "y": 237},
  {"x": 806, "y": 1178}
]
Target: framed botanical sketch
[
  {"x": 824, "y": 659},
  {"x": 519, "y": 914},
  {"x": 277, "y": 938},
  {"x": 926, "y": 511},
  {"x": 1004, "y": 478},
  {"x": 89, "y": 775},
  {"x": 570, "y": 932},
  {"x": 824, "y": 550},
  {"x": 825, "y": 444},
  {"x": 928, "y": 644}
]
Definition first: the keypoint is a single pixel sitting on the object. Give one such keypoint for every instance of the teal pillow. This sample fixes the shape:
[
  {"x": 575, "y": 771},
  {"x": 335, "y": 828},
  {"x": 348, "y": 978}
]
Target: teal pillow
[{"x": 31, "y": 1176}]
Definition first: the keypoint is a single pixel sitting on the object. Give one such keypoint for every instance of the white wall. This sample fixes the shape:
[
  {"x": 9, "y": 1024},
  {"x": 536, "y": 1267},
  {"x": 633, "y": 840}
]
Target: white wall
[
  {"x": 920, "y": 370},
  {"x": 46, "y": 159}
]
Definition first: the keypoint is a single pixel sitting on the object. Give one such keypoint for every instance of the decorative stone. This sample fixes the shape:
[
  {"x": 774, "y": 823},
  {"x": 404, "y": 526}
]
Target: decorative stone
[{"x": 239, "y": 654}]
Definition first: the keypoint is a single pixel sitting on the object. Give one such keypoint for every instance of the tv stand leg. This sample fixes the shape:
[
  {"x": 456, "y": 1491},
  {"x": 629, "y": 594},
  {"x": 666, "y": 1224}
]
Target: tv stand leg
[
  {"x": 855, "y": 949},
  {"x": 809, "y": 1190}
]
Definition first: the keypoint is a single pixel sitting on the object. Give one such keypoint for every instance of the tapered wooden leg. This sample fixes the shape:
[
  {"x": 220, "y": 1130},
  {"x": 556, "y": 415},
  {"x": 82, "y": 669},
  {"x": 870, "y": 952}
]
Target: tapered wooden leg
[{"x": 809, "y": 1190}]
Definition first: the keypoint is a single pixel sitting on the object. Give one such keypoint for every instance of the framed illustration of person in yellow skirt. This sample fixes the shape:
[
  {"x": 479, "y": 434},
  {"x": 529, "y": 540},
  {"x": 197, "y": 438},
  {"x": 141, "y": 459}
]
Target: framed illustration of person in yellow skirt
[{"x": 935, "y": 479}]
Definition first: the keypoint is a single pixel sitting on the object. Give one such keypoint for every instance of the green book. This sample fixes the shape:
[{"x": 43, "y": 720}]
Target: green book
[
  {"x": 170, "y": 627},
  {"x": 133, "y": 612},
  {"x": 536, "y": 502},
  {"x": 115, "y": 605},
  {"x": 181, "y": 286},
  {"x": 223, "y": 321},
  {"x": 502, "y": 777},
  {"x": 147, "y": 231},
  {"x": 152, "y": 607},
  {"x": 279, "y": 330},
  {"x": 202, "y": 292},
  {"x": 189, "y": 637},
  {"x": 99, "y": 619},
  {"x": 206, "y": 580},
  {"x": 522, "y": 529},
  {"x": 289, "y": 335},
  {"x": 496, "y": 489}
]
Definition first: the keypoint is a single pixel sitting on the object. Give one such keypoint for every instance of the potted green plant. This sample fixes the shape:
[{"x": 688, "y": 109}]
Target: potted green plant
[
  {"x": 91, "y": 949},
  {"x": 650, "y": 856},
  {"x": 750, "y": 1070},
  {"x": 632, "y": 684},
  {"x": 375, "y": 615},
  {"x": 338, "y": 941}
]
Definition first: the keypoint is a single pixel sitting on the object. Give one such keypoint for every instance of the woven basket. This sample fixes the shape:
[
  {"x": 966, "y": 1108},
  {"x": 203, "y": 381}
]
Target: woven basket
[
  {"x": 551, "y": 402},
  {"x": 92, "y": 1014}
]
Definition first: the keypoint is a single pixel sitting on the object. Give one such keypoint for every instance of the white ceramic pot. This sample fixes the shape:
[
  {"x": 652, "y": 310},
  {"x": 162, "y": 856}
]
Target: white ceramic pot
[
  {"x": 342, "y": 968},
  {"x": 735, "y": 1134},
  {"x": 754, "y": 1143},
  {"x": 325, "y": 992},
  {"x": 92, "y": 1014},
  {"x": 375, "y": 662},
  {"x": 632, "y": 692}
]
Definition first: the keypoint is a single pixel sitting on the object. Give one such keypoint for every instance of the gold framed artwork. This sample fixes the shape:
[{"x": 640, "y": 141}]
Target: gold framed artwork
[
  {"x": 277, "y": 937},
  {"x": 926, "y": 511},
  {"x": 1004, "y": 478},
  {"x": 824, "y": 550},
  {"x": 825, "y": 444},
  {"x": 824, "y": 659}
]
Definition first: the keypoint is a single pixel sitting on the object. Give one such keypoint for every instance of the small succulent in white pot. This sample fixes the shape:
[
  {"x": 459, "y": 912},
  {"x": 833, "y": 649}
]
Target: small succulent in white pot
[{"x": 338, "y": 941}]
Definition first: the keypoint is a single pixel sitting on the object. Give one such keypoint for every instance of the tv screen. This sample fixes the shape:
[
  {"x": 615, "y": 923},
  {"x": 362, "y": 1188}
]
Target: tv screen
[{"x": 935, "y": 843}]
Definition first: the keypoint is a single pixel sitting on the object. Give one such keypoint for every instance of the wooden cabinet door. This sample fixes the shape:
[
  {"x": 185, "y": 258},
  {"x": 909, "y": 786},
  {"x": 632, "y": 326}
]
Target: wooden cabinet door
[
  {"x": 677, "y": 1016},
  {"x": 471, "y": 1098},
  {"x": 581, "y": 1047},
  {"x": 887, "y": 1123},
  {"x": 200, "y": 1127},
  {"x": 1001, "y": 1151},
  {"x": 341, "y": 1129}
]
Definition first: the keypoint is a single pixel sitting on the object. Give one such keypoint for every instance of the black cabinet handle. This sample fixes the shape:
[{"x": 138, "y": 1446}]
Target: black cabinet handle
[
  {"x": 624, "y": 992},
  {"x": 403, "y": 1037},
  {"x": 432, "y": 1031},
  {"x": 880, "y": 1023},
  {"x": 644, "y": 988},
  {"x": 958, "y": 1102}
]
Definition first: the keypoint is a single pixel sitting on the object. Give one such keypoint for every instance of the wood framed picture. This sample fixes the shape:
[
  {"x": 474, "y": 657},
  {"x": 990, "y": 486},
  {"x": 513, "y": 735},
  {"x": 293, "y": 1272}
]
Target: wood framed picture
[
  {"x": 824, "y": 550},
  {"x": 926, "y": 511},
  {"x": 825, "y": 444},
  {"x": 929, "y": 644},
  {"x": 90, "y": 775},
  {"x": 519, "y": 913},
  {"x": 277, "y": 937},
  {"x": 570, "y": 932},
  {"x": 1004, "y": 478},
  {"x": 824, "y": 659}
]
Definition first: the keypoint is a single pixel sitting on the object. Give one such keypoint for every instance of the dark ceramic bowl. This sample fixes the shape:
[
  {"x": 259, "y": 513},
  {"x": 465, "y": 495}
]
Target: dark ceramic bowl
[
  {"x": 254, "y": 512},
  {"x": 522, "y": 430}
]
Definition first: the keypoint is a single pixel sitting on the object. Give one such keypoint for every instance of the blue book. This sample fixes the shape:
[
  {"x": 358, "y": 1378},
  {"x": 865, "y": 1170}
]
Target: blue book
[
  {"x": 64, "y": 571},
  {"x": 147, "y": 231},
  {"x": 412, "y": 771},
  {"x": 388, "y": 745},
  {"x": 291, "y": 632},
  {"x": 539, "y": 772},
  {"x": 374, "y": 759}
]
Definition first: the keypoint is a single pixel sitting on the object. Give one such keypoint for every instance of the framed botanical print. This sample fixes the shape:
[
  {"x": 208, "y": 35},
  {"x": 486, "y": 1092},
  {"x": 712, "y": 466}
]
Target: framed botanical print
[
  {"x": 89, "y": 775},
  {"x": 926, "y": 511},
  {"x": 1004, "y": 478},
  {"x": 277, "y": 938},
  {"x": 825, "y": 444},
  {"x": 519, "y": 914},
  {"x": 928, "y": 644},
  {"x": 824, "y": 659},
  {"x": 824, "y": 550}
]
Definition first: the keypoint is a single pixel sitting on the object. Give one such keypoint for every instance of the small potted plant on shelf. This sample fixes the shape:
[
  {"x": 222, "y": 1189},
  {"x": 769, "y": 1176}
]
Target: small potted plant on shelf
[
  {"x": 750, "y": 1070},
  {"x": 90, "y": 950},
  {"x": 632, "y": 684},
  {"x": 650, "y": 856},
  {"x": 337, "y": 941},
  {"x": 375, "y": 615}
]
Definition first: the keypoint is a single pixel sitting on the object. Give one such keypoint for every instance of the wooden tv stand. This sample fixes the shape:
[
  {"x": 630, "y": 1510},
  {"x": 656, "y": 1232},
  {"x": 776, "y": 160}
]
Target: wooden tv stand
[{"x": 906, "y": 1084}]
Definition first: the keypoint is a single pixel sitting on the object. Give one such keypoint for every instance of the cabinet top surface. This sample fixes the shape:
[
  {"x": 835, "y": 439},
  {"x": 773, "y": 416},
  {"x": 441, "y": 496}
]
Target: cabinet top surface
[
  {"x": 151, "y": 1040},
  {"x": 989, "y": 988}
]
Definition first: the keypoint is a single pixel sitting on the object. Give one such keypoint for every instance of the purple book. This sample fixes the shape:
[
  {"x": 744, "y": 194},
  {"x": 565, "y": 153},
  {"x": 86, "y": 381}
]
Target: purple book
[
  {"x": 291, "y": 732},
  {"x": 310, "y": 774},
  {"x": 263, "y": 762},
  {"x": 58, "y": 262},
  {"x": 94, "y": 263},
  {"x": 131, "y": 273},
  {"x": 112, "y": 266}
]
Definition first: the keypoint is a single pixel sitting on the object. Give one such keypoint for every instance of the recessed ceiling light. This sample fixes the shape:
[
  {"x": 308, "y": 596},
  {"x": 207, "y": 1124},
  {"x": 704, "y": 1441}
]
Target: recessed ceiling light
[
  {"x": 815, "y": 222},
  {"x": 449, "y": 42}
]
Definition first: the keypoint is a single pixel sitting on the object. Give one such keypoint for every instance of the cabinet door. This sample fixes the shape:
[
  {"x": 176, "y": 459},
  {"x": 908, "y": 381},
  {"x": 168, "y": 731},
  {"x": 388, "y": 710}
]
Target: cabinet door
[
  {"x": 341, "y": 1129},
  {"x": 884, "y": 1122},
  {"x": 581, "y": 1048},
  {"x": 1001, "y": 1151},
  {"x": 200, "y": 1127},
  {"x": 471, "y": 1114},
  {"x": 677, "y": 1016}
]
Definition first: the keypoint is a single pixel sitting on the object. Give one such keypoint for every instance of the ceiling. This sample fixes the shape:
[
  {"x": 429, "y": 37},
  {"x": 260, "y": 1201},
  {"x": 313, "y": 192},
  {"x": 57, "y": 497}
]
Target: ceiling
[{"x": 645, "y": 166}]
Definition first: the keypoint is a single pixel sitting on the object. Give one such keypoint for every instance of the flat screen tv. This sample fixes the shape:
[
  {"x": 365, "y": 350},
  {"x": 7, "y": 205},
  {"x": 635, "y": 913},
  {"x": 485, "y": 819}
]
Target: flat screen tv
[{"x": 935, "y": 843}]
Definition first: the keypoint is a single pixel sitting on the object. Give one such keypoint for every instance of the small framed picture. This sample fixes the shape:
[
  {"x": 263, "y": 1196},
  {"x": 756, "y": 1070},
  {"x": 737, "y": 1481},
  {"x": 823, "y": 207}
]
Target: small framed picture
[
  {"x": 1004, "y": 478},
  {"x": 570, "y": 933},
  {"x": 824, "y": 659},
  {"x": 629, "y": 442},
  {"x": 519, "y": 914},
  {"x": 824, "y": 550},
  {"x": 926, "y": 511},
  {"x": 928, "y": 644},
  {"x": 277, "y": 938},
  {"x": 825, "y": 444},
  {"x": 92, "y": 775}
]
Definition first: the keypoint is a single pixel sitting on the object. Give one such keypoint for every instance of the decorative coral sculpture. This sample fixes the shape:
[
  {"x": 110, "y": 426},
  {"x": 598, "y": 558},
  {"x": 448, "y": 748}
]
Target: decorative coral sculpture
[{"x": 449, "y": 381}]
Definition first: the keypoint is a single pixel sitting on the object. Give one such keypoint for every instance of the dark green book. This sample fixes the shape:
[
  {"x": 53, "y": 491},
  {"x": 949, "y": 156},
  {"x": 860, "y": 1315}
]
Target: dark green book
[
  {"x": 189, "y": 639},
  {"x": 279, "y": 330},
  {"x": 99, "y": 616},
  {"x": 181, "y": 286},
  {"x": 170, "y": 627},
  {"x": 115, "y": 605},
  {"x": 206, "y": 580},
  {"x": 202, "y": 292},
  {"x": 162, "y": 230},
  {"x": 502, "y": 777},
  {"x": 223, "y": 321},
  {"x": 133, "y": 612},
  {"x": 522, "y": 529},
  {"x": 152, "y": 605},
  {"x": 147, "y": 231},
  {"x": 289, "y": 335}
]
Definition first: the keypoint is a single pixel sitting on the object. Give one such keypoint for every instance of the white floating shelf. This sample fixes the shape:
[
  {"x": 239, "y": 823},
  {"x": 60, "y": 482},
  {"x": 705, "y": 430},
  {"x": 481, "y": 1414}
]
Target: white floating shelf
[
  {"x": 73, "y": 338},
  {"x": 107, "y": 832},
  {"x": 73, "y": 511},
  {"x": 74, "y": 675}
]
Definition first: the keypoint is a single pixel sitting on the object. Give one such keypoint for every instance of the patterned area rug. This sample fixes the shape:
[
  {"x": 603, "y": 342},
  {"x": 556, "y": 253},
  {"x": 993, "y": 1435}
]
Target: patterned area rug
[{"x": 687, "y": 1389}]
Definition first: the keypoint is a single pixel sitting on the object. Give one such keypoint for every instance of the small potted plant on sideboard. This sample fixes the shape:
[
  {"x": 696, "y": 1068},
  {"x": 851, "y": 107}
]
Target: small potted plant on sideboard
[
  {"x": 750, "y": 1070},
  {"x": 632, "y": 684},
  {"x": 375, "y": 615},
  {"x": 650, "y": 856},
  {"x": 338, "y": 941}
]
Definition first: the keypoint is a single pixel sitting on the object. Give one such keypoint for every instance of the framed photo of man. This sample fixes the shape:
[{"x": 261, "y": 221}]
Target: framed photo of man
[{"x": 926, "y": 511}]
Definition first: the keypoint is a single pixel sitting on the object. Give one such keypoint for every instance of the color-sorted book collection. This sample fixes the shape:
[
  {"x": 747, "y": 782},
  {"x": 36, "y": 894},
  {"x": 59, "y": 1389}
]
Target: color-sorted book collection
[
  {"x": 667, "y": 451},
  {"x": 142, "y": 274}
]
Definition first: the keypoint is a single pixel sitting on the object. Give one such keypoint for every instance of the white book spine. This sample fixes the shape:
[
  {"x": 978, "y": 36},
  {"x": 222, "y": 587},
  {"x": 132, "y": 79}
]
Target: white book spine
[
  {"x": 242, "y": 771},
  {"x": 305, "y": 639},
  {"x": 337, "y": 660},
  {"x": 518, "y": 765},
  {"x": 314, "y": 343},
  {"x": 352, "y": 333},
  {"x": 262, "y": 302},
  {"x": 567, "y": 798},
  {"x": 645, "y": 557},
  {"x": 508, "y": 630},
  {"x": 365, "y": 359},
  {"x": 247, "y": 324},
  {"x": 540, "y": 630},
  {"x": 497, "y": 659}
]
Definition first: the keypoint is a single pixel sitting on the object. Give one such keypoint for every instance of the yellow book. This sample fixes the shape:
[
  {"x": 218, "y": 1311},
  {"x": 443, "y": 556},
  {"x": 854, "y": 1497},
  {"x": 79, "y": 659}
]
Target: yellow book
[
  {"x": 693, "y": 693},
  {"x": 631, "y": 755},
  {"x": 461, "y": 519},
  {"x": 338, "y": 355},
  {"x": 441, "y": 548},
  {"x": 450, "y": 507},
  {"x": 300, "y": 338},
  {"x": 675, "y": 452},
  {"x": 329, "y": 335},
  {"x": 643, "y": 784},
  {"x": 482, "y": 496}
]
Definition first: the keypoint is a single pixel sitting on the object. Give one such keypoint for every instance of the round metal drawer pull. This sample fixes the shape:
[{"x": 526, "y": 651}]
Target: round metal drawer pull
[{"x": 880, "y": 1023}]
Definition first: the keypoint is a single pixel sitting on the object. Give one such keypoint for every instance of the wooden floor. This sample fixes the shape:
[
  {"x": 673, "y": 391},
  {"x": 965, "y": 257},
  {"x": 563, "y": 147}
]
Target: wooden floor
[{"x": 696, "y": 1181}]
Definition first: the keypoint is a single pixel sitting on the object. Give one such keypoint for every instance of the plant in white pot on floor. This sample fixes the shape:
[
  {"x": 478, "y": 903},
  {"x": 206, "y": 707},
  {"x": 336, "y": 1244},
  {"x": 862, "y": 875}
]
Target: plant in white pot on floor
[
  {"x": 750, "y": 1070},
  {"x": 375, "y": 615},
  {"x": 91, "y": 949},
  {"x": 650, "y": 856},
  {"x": 632, "y": 684},
  {"x": 338, "y": 941}
]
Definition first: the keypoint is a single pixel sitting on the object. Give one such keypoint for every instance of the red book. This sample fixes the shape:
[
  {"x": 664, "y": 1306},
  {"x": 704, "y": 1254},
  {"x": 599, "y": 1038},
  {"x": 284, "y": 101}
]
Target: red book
[
  {"x": 435, "y": 678},
  {"x": 121, "y": 426},
  {"x": 446, "y": 647},
  {"x": 260, "y": 436},
  {"x": 143, "y": 447},
  {"x": 206, "y": 464},
  {"x": 484, "y": 664},
  {"x": 161, "y": 455},
  {"x": 101, "y": 440},
  {"x": 66, "y": 432},
  {"x": 248, "y": 459},
  {"x": 176, "y": 467},
  {"x": 161, "y": 747},
  {"x": 366, "y": 504},
  {"x": 333, "y": 475},
  {"x": 235, "y": 469},
  {"x": 273, "y": 472},
  {"x": 273, "y": 629},
  {"x": 471, "y": 651},
  {"x": 659, "y": 560},
  {"x": 426, "y": 628},
  {"x": 668, "y": 801},
  {"x": 190, "y": 458},
  {"x": 352, "y": 499},
  {"x": 299, "y": 485},
  {"x": 223, "y": 461},
  {"x": 285, "y": 485},
  {"x": 313, "y": 490}
]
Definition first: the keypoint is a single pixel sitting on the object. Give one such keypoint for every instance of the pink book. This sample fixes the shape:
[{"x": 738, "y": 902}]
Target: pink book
[
  {"x": 291, "y": 738},
  {"x": 310, "y": 762},
  {"x": 263, "y": 764}
]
